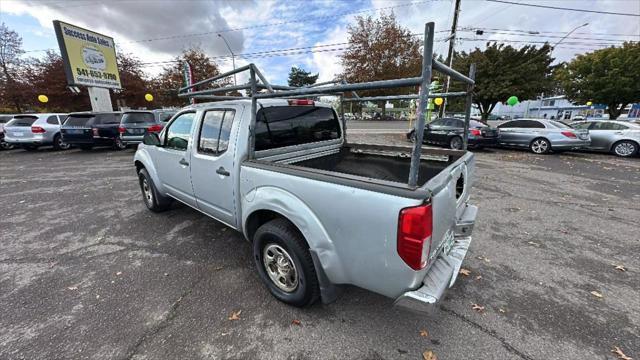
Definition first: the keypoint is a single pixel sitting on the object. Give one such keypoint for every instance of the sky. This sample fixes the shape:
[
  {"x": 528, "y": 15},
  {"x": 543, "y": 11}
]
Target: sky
[{"x": 158, "y": 30}]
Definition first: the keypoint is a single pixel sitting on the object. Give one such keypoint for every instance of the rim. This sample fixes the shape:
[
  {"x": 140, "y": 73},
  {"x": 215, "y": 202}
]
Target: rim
[
  {"x": 539, "y": 146},
  {"x": 62, "y": 144},
  {"x": 120, "y": 144},
  {"x": 456, "y": 143},
  {"x": 625, "y": 149},
  {"x": 146, "y": 191},
  {"x": 280, "y": 267}
]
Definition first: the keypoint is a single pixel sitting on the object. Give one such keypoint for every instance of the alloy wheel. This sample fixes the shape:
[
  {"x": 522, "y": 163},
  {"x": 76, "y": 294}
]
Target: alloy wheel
[
  {"x": 540, "y": 146},
  {"x": 625, "y": 148}
]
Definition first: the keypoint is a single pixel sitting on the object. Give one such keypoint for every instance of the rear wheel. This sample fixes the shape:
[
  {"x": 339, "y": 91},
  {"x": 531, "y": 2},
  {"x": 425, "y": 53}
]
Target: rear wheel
[
  {"x": 625, "y": 148},
  {"x": 154, "y": 201},
  {"x": 5, "y": 145},
  {"x": 119, "y": 145},
  {"x": 284, "y": 263},
  {"x": 58, "y": 144},
  {"x": 540, "y": 146},
  {"x": 455, "y": 143}
]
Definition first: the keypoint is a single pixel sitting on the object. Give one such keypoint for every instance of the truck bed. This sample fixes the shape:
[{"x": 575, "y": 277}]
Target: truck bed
[{"x": 381, "y": 163}]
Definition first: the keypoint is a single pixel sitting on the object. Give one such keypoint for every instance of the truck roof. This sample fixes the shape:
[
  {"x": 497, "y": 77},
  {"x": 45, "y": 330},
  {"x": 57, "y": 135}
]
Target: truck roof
[{"x": 263, "y": 102}]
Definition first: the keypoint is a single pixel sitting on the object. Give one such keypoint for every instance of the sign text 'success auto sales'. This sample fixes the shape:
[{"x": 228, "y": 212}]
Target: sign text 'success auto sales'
[{"x": 89, "y": 58}]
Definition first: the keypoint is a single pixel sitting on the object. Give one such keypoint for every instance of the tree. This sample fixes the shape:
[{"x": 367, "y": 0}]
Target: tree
[
  {"x": 10, "y": 61},
  {"x": 133, "y": 81},
  {"x": 381, "y": 49},
  {"x": 503, "y": 71},
  {"x": 300, "y": 77},
  {"x": 166, "y": 85},
  {"x": 608, "y": 76}
]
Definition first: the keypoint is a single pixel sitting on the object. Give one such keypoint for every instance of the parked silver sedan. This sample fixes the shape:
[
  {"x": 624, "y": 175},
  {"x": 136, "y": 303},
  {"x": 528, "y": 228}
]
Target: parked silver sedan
[
  {"x": 542, "y": 136},
  {"x": 621, "y": 138}
]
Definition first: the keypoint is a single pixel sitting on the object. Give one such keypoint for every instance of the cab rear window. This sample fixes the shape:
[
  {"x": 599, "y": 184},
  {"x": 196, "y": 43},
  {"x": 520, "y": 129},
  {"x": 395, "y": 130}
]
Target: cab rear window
[
  {"x": 280, "y": 126},
  {"x": 138, "y": 118}
]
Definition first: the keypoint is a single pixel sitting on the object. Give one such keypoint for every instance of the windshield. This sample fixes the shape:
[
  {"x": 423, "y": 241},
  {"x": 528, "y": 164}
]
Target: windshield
[
  {"x": 77, "y": 120},
  {"x": 137, "y": 118},
  {"x": 22, "y": 120}
]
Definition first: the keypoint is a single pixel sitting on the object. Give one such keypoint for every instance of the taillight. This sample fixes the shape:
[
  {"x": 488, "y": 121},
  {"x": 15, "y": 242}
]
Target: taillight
[
  {"x": 37, "y": 130},
  {"x": 294, "y": 102},
  {"x": 415, "y": 225},
  {"x": 154, "y": 128},
  {"x": 95, "y": 132},
  {"x": 122, "y": 130},
  {"x": 569, "y": 134},
  {"x": 475, "y": 132}
]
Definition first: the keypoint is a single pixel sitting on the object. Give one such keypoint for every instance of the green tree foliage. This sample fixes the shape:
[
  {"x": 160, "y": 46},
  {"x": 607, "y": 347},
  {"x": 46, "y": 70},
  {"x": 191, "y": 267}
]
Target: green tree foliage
[
  {"x": 608, "y": 76},
  {"x": 166, "y": 85},
  {"x": 504, "y": 71},
  {"x": 300, "y": 77}
]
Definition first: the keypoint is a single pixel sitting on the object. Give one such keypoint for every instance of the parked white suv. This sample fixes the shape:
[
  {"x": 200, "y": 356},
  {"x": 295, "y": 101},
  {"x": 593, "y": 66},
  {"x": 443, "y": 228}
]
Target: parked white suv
[{"x": 34, "y": 130}]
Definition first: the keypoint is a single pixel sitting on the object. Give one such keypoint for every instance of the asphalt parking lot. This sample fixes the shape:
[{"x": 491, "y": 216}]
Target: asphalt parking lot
[{"x": 86, "y": 271}]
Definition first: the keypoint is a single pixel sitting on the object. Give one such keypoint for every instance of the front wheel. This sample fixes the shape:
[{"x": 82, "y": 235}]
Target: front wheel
[
  {"x": 154, "y": 201},
  {"x": 58, "y": 144},
  {"x": 625, "y": 148},
  {"x": 455, "y": 143},
  {"x": 540, "y": 146},
  {"x": 284, "y": 263}
]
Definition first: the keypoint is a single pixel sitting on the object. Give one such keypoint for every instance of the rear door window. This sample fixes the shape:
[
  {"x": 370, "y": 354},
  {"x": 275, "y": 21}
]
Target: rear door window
[
  {"x": 138, "y": 118},
  {"x": 510, "y": 124},
  {"x": 281, "y": 126},
  {"x": 22, "y": 120},
  {"x": 215, "y": 131},
  {"x": 581, "y": 125}
]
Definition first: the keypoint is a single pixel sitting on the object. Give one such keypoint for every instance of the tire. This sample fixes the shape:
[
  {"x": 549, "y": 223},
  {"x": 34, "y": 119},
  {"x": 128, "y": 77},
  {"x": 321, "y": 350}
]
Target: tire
[
  {"x": 290, "y": 252},
  {"x": 86, "y": 147},
  {"x": 624, "y": 148},
  {"x": 412, "y": 136},
  {"x": 540, "y": 146},
  {"x": 456, "y": 143},
  {"x": 58, "y": 144},
  {"x": 119, "y": 145},
  {"x": 154, "y": 201},
  {"x": 5, "y": 145}
]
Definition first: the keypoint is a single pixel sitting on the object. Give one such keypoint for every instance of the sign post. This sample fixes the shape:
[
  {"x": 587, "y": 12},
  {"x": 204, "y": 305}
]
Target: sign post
[{"x": 89, "y": 60}]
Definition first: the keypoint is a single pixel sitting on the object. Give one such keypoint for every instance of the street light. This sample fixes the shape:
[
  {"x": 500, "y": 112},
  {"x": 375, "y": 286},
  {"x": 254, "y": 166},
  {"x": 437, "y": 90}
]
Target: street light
[
  {"x": 233, "y": 57},
  {"x": 569, "y": 33}
]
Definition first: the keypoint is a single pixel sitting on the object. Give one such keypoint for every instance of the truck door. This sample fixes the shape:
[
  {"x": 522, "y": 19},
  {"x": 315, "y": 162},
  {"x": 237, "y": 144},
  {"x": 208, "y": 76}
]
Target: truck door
[
  {"x": 173, "y": 158},
  {"x": 212, "y": 163}
]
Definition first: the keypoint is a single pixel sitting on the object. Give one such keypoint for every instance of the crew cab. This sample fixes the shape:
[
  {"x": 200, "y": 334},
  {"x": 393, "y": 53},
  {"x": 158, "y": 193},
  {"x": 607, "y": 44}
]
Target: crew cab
[{"x": 319, "y": 211}]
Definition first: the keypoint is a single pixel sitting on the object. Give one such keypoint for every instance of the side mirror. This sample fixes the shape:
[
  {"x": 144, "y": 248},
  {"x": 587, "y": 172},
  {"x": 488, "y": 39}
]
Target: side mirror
[{"x": 151, "y": 138}]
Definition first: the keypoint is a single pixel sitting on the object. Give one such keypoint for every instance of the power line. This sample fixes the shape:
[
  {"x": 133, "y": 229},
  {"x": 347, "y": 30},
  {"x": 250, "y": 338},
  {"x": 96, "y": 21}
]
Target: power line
[
  {"x": 552, "y": 36},
  {"x": 545, "y": 32},
  {"x": 564, "y": 8}
]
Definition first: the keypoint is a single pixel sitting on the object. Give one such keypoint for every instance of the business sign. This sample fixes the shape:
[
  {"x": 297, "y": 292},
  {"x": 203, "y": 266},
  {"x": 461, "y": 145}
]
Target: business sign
[{"x": 89, "y": 58}]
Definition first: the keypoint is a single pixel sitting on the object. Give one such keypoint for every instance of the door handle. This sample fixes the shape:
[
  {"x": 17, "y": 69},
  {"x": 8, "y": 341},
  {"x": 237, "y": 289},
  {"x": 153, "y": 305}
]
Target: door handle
[
  {"x": 183, "y": 162},
  {"x": 222, "y": 171}
]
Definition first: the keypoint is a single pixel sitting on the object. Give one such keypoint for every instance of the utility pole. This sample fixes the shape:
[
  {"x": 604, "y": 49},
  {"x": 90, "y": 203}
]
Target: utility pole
[{"x": 452, "y": 41}]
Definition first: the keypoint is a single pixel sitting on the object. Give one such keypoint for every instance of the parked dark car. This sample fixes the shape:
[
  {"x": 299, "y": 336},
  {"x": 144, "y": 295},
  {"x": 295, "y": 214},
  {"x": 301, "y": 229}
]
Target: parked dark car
[
  {"x": 448, "y": 132},
  {"x": 88, "y": 130},
  {"x": 135, "y": 124}
]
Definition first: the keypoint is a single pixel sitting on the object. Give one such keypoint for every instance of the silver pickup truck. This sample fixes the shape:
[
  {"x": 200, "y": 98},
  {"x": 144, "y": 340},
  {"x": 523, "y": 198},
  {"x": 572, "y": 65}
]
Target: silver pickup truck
[{"x": 318, "y": 211}]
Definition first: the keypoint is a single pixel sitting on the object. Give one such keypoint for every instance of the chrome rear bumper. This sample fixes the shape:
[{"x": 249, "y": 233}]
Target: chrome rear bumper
[{"x": 444, "y": 271}]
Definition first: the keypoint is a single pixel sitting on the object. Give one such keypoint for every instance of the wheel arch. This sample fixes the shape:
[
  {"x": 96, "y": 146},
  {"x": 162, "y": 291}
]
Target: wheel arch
[{"x": 629, "y": 140}]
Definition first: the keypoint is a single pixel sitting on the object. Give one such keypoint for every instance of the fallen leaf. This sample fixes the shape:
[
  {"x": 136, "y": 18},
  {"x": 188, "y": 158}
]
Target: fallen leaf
[
  {"x": 218, "y": 268},
  {"x": 533, "y": 243},
  {"x": 72, "y": 288},
  {"x": 119, "y": 273},
  {"x": 621, "y": 268},
  {"x": 429, "y": 355},
  {"x": 424, "y": 333},
  {"x": 596, "y": 294},
  {"x": 465, "y": 272},
  {"x": 477, "y": 307},
  {"x": 502, "y": 310},
  {"x": 616, "y": 350},
  {"x": 235, "y": 315},
  {"x": 166, "y": 274},
  {"x": 478, "y": 277},
  {"x": 295, "y": 322}
]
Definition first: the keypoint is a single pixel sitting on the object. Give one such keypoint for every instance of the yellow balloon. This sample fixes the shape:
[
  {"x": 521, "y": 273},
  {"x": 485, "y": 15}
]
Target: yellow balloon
[
  {"x": 43, "y": 98},
  {"x": 148, "y": 97},
  {"x": 589, "y": 103},
  {"x": 438, "y": 101}
]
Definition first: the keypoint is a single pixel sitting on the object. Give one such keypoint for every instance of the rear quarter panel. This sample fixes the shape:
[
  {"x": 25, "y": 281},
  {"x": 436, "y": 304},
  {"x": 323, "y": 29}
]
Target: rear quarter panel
[{"x": 352, "y": 230}]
